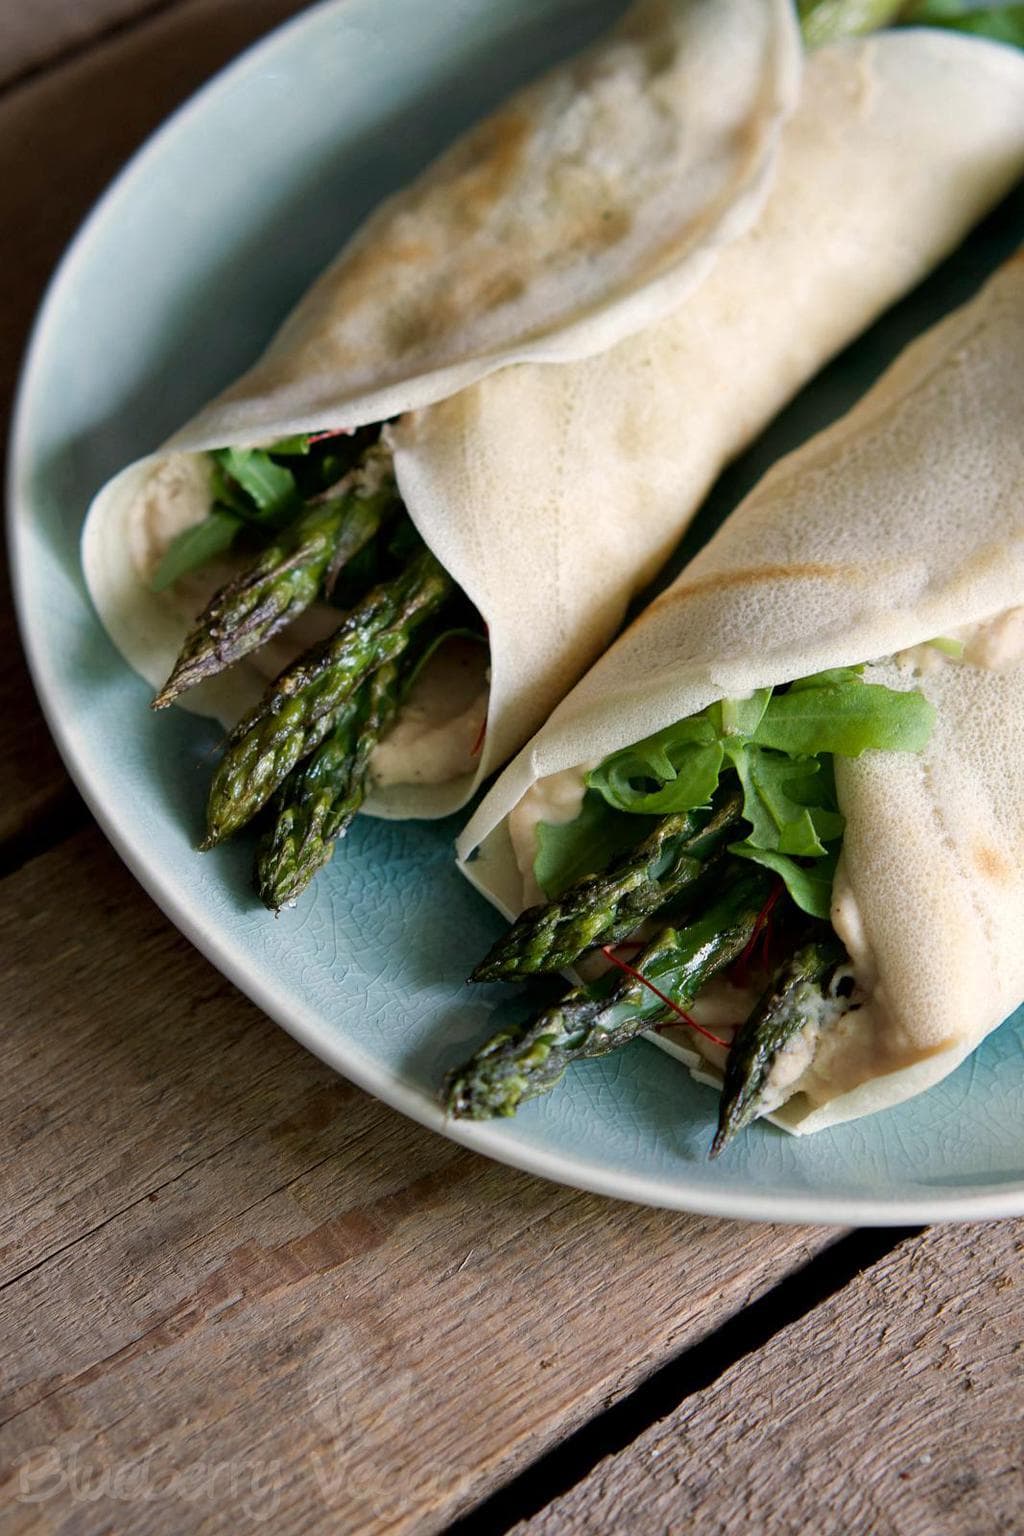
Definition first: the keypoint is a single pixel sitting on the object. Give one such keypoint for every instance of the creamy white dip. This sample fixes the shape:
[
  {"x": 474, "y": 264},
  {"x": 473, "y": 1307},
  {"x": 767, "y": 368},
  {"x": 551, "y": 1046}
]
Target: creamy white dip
[
  {"x": 996, "y": 644},
  {"x": 438, "y": 734},
  {"x": 556, "y": 800}
]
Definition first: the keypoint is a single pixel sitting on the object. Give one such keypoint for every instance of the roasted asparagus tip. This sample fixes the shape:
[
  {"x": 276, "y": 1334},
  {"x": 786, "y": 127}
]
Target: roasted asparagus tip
[
  {"x": 292, "y": 572},
  {"x": 794, "y": 1001},
  {"x": 516, "y": 1064},
  {"x": 521, "y": 1063},
  {"x": 607, "y": 907},
  {"x": 318, "y": 801},
  {"x": 300, "y": 709}
]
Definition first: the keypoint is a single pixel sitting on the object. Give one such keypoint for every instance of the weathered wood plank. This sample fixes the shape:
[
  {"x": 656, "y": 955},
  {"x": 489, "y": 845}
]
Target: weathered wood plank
[
  {"x": 63, "y": 135},
  {"x": 33, "y": 784},
  {"x": 894, "y": 1409},
  {"x": 225, "y": 1268},
  {"x": 33, "y": 35},
  {"x": 73, "y": 128}
]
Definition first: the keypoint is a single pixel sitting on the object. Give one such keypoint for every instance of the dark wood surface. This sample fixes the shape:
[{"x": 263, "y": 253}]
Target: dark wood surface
[{"x": 237, "y": 1293}]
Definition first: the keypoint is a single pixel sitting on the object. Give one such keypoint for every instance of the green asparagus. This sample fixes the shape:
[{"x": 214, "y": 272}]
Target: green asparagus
[
  {"x": 300, "y": 565},
  {"x": 607, "y": 907},
  {"x": 795, "y": 1000},
  {"x": 520, "y": 1063},
  {"x": 301, "y": 707},
  {"x": 319, "y": 798}
]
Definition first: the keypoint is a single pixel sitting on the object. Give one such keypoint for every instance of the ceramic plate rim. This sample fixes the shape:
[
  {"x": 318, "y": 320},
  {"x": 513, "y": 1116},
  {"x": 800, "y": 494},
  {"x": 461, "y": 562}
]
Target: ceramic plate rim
[{"x": 288, "y": 1013}]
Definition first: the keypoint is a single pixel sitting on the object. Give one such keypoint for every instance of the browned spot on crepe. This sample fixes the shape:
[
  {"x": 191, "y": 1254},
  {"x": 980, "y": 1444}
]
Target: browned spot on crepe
[
  {"x": 369, "y": 265},
  {"x": 992, "y": 863},
  {"x": 759, "y": 576},
  {"x": 495, "y": 155},
  {"x": 499, "y": 288},
  {"x": 610, "y": 226}
]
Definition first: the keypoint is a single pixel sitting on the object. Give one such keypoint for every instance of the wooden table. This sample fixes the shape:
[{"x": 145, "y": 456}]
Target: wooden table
[{"x": 235, "y": 1292}]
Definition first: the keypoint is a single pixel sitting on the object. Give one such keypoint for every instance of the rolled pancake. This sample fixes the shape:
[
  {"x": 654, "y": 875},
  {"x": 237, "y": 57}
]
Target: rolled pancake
[
  {"x": 581, "y": 211},
  {"x": 902, "y": 523},
  {"x": 553, "y": 492}
]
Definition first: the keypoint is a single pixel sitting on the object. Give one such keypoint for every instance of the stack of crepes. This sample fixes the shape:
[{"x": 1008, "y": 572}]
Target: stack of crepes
[
  {"x": 902, "y": 524},
  {"x": 665, "y": 237}
]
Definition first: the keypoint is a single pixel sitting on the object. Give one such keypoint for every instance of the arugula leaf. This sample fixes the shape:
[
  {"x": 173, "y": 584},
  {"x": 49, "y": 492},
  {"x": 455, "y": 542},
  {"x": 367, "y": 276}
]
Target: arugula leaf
[
  {"x": 739, "y": 717},
  {"x": 833, "y": 675},
  {"x": 810, "y": 885},
  {"x": 826, "y": 21},
  {"x": 695, "y": 770},
  {"x": 780, "y": 743},
  {"x": 673, "y": 770},
  {"x": 566, "y": 851},
  {"x": 291, "y": 447},
  {"x": 1002, "y": 23},
  {"x": 847, "y": 718},
  {"x": 195, "y": 546},
  {"x": 786, "y": 801},
  {"x": 948, "y": 645},
  {"x": 270, "y": 488},
  {"x": 832, "y": 712}
]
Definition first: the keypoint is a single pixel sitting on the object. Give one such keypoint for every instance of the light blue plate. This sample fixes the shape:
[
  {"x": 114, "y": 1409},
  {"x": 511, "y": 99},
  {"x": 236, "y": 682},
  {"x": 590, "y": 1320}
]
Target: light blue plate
[{"x": 172, "y": 287}]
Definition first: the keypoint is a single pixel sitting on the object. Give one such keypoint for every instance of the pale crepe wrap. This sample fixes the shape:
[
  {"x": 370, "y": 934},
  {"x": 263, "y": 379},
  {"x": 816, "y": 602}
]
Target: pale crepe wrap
[
  {"x": 584, "y": 209},
  {"x": 553, "y": 492},
  {"x": 902, "y": 523}
]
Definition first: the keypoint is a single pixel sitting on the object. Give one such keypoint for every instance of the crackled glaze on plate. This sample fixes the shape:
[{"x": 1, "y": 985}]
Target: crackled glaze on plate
[{"x": 173, "y": 285}]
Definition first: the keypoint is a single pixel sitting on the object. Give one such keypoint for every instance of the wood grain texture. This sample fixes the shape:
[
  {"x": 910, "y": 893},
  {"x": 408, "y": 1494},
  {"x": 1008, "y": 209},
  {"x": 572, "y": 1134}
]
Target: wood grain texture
[
  {"x": 34, "y": 33},
  {"x": 34, "y": 788},
  {"x": 231, "y": 1282},
  {"x": 894, "y": 1409},
  {"x": 63, "y": 135},
  {"x": 66, "y": 133}
]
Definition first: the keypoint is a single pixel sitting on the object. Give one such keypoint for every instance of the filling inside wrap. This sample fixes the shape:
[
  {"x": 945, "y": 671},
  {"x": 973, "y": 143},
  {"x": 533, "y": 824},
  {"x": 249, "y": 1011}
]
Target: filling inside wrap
[
  {"x": 693, "y": 883},
  {"x": 480, "y": 551},
  {"x": 789, "y": 800},
  {"x": 356, "y": 663}
]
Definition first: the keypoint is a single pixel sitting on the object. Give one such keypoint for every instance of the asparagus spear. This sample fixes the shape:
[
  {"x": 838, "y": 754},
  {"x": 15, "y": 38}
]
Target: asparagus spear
[
  {"x": 609, "y": 906},
  {"x": 519, "y": 1063},
  {"x": 793, "y": 1002},
  {"x": 301, "y": 707},
  {"x": 319, "y": 799},
  {"x": 303, "y": 562}
]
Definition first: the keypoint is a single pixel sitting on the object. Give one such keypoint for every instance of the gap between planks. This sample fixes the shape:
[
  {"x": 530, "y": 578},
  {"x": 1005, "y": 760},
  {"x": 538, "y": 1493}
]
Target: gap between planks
[
  {"x": 123, "y": 42},
  {"x": 220, "y": 1254},
  {"x": 697, "y": 1368},
  {"x": 893, "y": 1409},
  {"x": 47, "y": 34}
]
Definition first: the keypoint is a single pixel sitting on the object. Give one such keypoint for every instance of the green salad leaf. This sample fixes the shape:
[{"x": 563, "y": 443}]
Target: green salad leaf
[
  {"x": 780, "y": 744},
  {"x": 810, "y": 885},
  {"x": 270, "y": 494},
  {"x": 826, "y": 21},
  {"x": 568, "y": 850},
  {"x": 671, "y": 771},
  {"x": 739, "y": 717},
  {"x": 250, "y": 489},
  {"x": 948, "y": 645},
  {"x": 196, "y": 546},
  {"x": 789, "y": 802},
  {"x": 844, "y": 717},
  {"x": 1001, "y": 23}
]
